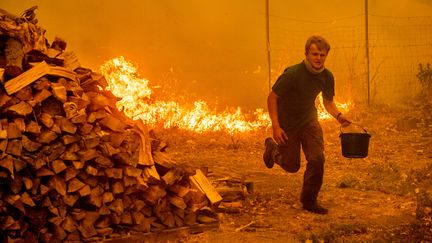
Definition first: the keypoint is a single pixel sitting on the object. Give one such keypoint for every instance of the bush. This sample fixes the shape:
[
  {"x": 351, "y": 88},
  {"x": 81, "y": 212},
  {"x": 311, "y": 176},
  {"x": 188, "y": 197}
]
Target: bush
[{"x": 424, "y": 76}]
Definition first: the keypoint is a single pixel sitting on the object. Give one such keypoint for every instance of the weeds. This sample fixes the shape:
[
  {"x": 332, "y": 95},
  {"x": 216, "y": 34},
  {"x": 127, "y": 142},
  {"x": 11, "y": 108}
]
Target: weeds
[
  {"x": 424, "y": 76},
  {"x": 334, "y": 232}
]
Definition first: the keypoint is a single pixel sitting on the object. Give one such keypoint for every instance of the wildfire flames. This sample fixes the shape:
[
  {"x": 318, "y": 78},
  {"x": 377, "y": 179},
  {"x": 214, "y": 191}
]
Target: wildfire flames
[{"x": 137, "y": 102}]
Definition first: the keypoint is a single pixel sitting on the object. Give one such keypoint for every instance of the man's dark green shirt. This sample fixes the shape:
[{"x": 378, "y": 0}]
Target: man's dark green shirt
[{"x": 297, "y": 89}]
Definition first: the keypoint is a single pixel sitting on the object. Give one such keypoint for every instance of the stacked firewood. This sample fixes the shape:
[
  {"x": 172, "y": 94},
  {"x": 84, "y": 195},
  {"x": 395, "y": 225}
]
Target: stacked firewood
[
  {"x": 234, "y": 192},
  {"x": 74, "y": 167}
]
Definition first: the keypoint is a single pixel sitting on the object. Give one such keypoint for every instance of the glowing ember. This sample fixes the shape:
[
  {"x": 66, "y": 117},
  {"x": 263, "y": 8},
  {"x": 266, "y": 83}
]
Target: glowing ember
[{"x": 137, "y": 103}]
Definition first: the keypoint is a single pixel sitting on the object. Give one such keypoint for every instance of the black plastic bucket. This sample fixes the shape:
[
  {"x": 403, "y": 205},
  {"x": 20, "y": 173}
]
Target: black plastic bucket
[{"x": 355, "y": 145}]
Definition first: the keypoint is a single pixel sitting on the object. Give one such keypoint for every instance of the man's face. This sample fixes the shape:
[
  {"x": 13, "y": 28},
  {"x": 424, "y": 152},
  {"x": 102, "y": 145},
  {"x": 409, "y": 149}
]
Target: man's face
[{"x": 316, "y": 57}]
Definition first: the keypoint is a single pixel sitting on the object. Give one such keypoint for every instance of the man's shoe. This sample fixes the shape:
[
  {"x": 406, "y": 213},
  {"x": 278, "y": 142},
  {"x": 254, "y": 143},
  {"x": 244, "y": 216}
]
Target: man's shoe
[
  {"x": 315, "y": 208},
  {"x": 270, "y": 146}
]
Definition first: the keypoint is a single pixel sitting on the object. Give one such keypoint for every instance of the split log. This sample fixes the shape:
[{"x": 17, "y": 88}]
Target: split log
[
  {"x": 23, "y": 108},
  {"x": 85, "y": 191},
  {"x": 46, "y": 119},
  {"x": 203, "y": 184},
  {"x": 86, "y": 227},
  {"x": 25, "y": 94},
  {"x": 7, "y": 163},
  {"x": 3, "y": 134},
  {"x": 33, "y": 128},
  {"x": 103, "y": 161},
  {"x": 13, "y": 131},
  {"x": 4, "y": 99},
  {"x": 70, "y": 199},
  {"x": 71, "y": 173},
  {"x": 44, "y": 172},
  {"x": 66, "y": 125},
  {"x": 70, "y": 60},
  {"x": 58, "y": 44},
  {"x": 2, "y": 71},
  {"x": 153, "y": 194},
  {"x": 113, "y": 123},
  {"x": 36, "y": 56},
  {"x": 14, "y": 58},
  {"x": 40, "y": 96},
  {"x": 115, "y": 173},
  {"x": 30, "y": 145},
  {"x": 20, "y": 122},
  {"x": 59, "y": 91},
  {"x": 47, "y": 136},
  {"x": 58, "y": 184},
  {"x": 14, "y": 147},
  {"x": 117, "y": 187},
  {"x": 58, "y": 166}
]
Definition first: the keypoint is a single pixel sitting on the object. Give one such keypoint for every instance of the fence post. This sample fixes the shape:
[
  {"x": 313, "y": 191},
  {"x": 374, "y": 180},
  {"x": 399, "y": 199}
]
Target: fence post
[
  {"x": 367, "y": 50},
  {"x": 268, "y": 42}
]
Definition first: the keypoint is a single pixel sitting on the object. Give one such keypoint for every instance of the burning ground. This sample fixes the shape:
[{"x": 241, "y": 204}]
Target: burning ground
[{"x": 384, "y": 197}]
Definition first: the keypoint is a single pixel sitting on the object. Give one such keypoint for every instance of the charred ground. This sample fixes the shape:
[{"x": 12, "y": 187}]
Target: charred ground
[{"x": 384, "y": 197}]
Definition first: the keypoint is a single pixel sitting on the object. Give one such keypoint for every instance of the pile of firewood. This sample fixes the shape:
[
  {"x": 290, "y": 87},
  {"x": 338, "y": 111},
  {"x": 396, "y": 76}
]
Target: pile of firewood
[{"x": 72, "y": 166}]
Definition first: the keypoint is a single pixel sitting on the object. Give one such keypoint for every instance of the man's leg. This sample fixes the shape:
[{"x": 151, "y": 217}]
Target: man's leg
[
  {"x": 289, "y": 158},
  {"x": 313, "y": 148},
  {"x": 286, "y": 155}
]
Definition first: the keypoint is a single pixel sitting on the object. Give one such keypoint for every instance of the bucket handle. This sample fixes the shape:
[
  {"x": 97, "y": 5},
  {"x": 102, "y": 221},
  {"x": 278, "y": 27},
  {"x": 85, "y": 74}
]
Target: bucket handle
[{"x": 352, "y": 123}]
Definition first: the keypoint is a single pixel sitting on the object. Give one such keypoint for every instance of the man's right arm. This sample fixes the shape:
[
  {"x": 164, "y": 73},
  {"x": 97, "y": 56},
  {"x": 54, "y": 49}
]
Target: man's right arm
[{"x": 278, "y": 133}]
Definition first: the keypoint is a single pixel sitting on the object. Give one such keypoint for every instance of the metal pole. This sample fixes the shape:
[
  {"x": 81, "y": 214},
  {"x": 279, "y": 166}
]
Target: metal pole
[
  {"x": 367, "y": 49},
  {"x": 268, "y": 43}
]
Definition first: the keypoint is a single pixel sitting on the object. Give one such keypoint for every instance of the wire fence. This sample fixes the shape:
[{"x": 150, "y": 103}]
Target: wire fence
[{"x": 397, "y": 45}]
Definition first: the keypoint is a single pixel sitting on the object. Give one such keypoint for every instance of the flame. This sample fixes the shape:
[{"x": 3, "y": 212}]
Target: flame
[
  {"x": 137, "y": 102},
  {"x": 323, "y": 114}
]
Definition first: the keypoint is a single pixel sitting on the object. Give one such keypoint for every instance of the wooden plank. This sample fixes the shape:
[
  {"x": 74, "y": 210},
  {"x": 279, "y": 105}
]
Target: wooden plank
[
  {"x": 37, "y": 71},
  {"x": 202, "y": 183},
  {"x": 26, "y": 78}
]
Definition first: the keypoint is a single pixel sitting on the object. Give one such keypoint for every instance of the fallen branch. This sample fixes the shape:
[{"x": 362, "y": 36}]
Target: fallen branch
[{"x": 244, "y": 227}]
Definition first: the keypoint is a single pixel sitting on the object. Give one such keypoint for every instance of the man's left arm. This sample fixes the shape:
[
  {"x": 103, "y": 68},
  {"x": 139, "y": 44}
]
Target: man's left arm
[{"x": 331, "y": 108}]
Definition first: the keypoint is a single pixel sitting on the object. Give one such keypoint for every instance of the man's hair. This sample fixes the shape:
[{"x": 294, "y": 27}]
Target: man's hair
[{"x": 319, "y": 41}]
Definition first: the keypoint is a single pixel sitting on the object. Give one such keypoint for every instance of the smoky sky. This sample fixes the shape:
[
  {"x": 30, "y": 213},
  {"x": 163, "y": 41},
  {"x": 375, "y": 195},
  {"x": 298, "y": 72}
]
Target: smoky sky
[{"x": 214, "y": 50}]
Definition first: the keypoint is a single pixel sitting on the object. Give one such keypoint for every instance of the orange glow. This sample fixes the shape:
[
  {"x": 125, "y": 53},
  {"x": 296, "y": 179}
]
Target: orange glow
[
  {"x": 323, "y": 115},
  {"x": 138, "y": 103}
]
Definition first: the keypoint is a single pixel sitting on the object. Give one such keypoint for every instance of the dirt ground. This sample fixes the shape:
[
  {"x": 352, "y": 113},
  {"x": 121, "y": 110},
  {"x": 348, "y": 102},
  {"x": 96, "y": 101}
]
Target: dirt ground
[{"x": 369, "y": 200}]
